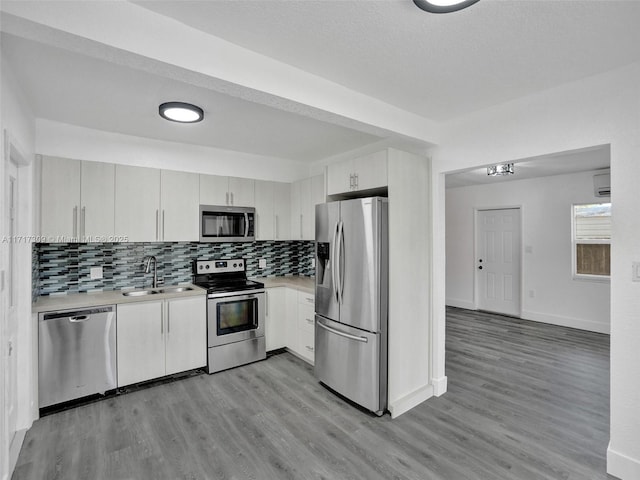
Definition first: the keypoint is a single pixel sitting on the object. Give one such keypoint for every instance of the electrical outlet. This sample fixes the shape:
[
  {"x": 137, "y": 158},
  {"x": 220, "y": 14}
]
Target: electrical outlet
[
  {"x": 96, "y": 273},
  {"x": 313, "y": 263},
  {"x": 262, "y": 263}
]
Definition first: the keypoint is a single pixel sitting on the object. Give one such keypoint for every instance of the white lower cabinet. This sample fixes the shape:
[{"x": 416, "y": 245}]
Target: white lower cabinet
[
  {"x": 297, "y": 323},
  {"x": 160, "y": 338},
  {"x": 275, "y": 319}
]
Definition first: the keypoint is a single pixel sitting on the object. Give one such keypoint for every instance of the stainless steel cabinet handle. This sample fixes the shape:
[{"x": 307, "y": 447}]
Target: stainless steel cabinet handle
[
  {"x": 350, "y": 181},
  {"x": 342, "y": 334},
  {"x": 301, "y": 221},
  {"x": 162, "y": 224},
  {"x": 162, "y": 319},
  {"x": 157, "y": 226},
  {"x": 266, "y": 301},
  {"x": 309, "y": 348},
  {"x": 275, "y": 223},
  {"x": 357, "y": 180},
  {"x": 309, "y": 320},
  {"x": 83, "y": 216},
  {"x": 231, "y": 198},
  {"x": 168, "y": 319},
  {"x": 75, "y": 222},
  {"x": 227, "y": 200}
]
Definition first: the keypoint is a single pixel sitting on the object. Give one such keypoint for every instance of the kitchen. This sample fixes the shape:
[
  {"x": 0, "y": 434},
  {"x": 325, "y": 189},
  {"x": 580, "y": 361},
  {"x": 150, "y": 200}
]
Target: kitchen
[{"x": 416, "y": 246}]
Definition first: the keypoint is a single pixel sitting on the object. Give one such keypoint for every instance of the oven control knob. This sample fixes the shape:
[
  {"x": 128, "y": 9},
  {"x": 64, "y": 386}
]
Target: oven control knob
[
  {"x": 240, "y": 264},
  {"x": 234, "y": 265},
  {"x": 207, "y": 267}
]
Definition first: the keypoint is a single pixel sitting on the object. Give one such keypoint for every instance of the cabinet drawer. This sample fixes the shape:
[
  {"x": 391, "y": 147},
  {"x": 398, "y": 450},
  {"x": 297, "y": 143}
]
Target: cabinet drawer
[
  {"x": 305, "y": 316},
  {"x": 306, "y": 340},
  {"x": 306, "y": 298}
]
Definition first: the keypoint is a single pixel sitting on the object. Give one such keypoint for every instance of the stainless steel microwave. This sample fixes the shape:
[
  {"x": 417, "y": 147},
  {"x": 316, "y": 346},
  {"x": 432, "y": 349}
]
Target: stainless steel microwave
[{"x": 221, "y": 223}]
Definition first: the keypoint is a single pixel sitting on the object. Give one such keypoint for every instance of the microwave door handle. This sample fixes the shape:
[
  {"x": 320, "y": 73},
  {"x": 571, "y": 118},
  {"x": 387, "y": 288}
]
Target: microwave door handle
[{"x": 246, "y": 224}]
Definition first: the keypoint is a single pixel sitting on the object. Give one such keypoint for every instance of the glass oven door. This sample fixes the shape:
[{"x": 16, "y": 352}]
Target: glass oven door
[{"x": 233, "y": 317}]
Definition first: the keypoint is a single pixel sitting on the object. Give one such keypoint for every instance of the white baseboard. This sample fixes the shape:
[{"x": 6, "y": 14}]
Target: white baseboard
[
  {"x": 621, "y": 466},
  {"x": 566, "y": 321},
  {"x": 413, "y": 399},
  {"x": 14, "y": 449},
  {"x": 440, "y": 386},
  {"x": 455, "y": 302}
]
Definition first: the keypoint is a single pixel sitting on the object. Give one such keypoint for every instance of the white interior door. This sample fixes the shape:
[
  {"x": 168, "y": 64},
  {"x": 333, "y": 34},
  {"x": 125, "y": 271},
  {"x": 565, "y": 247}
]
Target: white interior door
[{"x": 498, "y": 260}]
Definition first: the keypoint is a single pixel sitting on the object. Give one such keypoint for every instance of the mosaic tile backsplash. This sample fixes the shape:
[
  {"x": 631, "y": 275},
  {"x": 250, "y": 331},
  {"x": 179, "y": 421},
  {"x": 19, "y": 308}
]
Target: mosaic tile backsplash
[{"x": 65, "y": 267}]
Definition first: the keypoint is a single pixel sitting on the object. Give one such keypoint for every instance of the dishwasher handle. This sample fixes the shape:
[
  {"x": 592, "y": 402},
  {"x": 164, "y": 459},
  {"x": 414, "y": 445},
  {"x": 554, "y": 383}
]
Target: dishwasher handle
[{"x": 76, "y": 315}]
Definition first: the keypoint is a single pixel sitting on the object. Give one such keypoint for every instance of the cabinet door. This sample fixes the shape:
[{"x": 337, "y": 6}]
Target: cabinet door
[
  {"x": 180, "y": 203},
  {"x": 339, "y": 177},
  {"x": 60, "y": 208},
  {"x": 140, "y": 341},
  {"x": 265, "y": 220},
  {"x": 97, "y": 194},
  {"x": 241, "y": 192},
  {"x": 291, "y": 316},
  {"x": 307, "y": 210},
  {"x": 186, "y": 334},
  {"x": 282, "y": 211},
  {"x": 296, "y": 211},
  {"x": 214, "y": 190},
  {"x": 137, "y": 212},
  {"x": 371, "y": 170},
  {"x": 276, "y": 319}
]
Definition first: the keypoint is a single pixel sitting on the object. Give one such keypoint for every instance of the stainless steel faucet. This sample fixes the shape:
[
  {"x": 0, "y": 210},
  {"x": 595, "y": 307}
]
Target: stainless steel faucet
[{"x": 147, "y": 268}]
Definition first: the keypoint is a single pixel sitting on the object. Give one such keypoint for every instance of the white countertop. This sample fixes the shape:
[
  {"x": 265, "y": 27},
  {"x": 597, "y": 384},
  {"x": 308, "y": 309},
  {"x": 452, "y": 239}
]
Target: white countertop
[
  {"x": 303, "y": 284},
  {"x": 111, "y": 297}
]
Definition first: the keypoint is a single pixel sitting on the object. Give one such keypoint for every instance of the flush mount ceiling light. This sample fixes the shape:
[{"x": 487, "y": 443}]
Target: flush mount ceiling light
[
  {"x": 181, "y": 112},
  {"x": 443, "y": 6},
  {"x": 500, "y": 169}
]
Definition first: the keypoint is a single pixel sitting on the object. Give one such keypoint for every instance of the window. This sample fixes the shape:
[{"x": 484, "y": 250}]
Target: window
[{"x": 592, "y": 240}]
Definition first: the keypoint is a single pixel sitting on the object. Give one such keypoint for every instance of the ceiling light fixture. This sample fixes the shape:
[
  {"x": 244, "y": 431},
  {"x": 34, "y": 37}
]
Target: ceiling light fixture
[
  {"x": 443, "y": 6},
  {"x": 181, "y": 112},
  {"x": 500, "y": 169}
]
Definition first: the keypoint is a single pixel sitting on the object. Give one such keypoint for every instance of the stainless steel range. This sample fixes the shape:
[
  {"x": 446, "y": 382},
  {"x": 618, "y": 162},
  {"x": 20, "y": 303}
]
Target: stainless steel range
[{"x": 235, "y": 313}]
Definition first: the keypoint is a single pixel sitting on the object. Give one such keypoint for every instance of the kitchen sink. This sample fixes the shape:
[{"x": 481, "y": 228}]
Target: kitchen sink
[
  {"x": 174, "y": 289},
  {"x": 138, "y": 293}
]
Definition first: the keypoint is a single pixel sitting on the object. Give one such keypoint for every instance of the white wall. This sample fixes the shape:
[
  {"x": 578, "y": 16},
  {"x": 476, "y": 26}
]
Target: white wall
[
  {"x": 18, "y": 121},
  {"x": 603, "y": 109},
  {"x": 410, "y": 382},
  {"x": 62, "y": 140},
  {"x": 546, "y": 262}
]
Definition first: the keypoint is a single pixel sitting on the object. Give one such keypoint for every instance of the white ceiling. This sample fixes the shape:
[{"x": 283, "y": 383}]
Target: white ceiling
[
  {"x": 583, "y": 160},
  {"x": 439, "y": 66}
]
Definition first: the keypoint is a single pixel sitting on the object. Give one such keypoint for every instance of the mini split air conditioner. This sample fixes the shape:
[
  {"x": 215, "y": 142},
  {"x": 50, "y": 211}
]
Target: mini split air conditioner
[{"x": 602, "y": 185}]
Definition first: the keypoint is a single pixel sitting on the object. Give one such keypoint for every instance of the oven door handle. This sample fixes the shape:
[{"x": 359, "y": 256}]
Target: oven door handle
[
  {"x": 246, "y": 224},
  {"x": 238, "y": 295}
]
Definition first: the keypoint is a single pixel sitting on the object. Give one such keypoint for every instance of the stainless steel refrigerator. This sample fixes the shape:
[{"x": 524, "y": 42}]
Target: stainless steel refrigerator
[{"x": 351, "y": 300}]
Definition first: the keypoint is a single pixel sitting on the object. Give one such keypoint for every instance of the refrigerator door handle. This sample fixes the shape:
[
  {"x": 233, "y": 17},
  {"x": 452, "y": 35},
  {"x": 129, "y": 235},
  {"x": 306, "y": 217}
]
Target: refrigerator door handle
[
  {"x": 334, "y": 264},
  {"x": 340, "y": 261},
  {"x": 342, "y": 334}
]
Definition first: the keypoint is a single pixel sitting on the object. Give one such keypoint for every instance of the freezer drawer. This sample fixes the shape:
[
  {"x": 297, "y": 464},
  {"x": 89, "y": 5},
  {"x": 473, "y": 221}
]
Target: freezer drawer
[
  {"x": 352, "y": 362},
  {"x": 77, "y": 354}
]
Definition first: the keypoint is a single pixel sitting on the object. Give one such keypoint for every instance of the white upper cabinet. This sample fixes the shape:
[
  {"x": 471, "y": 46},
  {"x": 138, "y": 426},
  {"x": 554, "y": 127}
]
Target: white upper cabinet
[
  {"x": 361, "y": 173},
  {"x": 179, "y": 203},
  {"x": 241, "y": 192},
  {"x": 273, "y": 210},
  {"x": 77, "y": 200},
  {"x": 265, "y": 217},
  {"x": 232, "y": 191},
  {"x": 305, "y": 195},
  {"x": 97, "y": 195},
  {"x": 137, "y": 203},
  {"x": 282, "y": 211}
]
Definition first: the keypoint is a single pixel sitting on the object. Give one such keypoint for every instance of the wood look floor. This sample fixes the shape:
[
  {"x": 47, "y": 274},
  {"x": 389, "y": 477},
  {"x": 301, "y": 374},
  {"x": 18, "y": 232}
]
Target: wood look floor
[{"x": 525, "y": 401}]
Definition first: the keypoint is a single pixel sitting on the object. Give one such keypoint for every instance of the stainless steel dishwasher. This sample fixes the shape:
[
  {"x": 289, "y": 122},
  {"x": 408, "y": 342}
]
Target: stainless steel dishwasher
[{"x": 77, "y": 354}]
